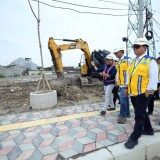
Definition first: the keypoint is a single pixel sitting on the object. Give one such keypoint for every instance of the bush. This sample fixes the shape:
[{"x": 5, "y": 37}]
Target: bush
[
  {"x": 2, "y": 76},
  {"x": 39, "y": 73},
  {"x": 16, "y": 75}
]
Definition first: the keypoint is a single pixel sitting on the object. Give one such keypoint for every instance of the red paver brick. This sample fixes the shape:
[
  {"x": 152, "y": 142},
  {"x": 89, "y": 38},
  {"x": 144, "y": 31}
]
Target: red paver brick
[
  {"x": 46, "y": 130},
  {"x": 28, "y": 139},
  {"x": 25, "y": 155},
  {"x": 50, "y": 156},
  {"x": 6, "y": 150},
  {"x": 46, "y": 142},
  {"x": 11, "y": 137},
  {"x": 66, "y": 145},
  {"x": 21, "y": 120},
  {"x": 122, "y": 138},
  {"x": 60, "y": 123},
  {"x": 101, "y": 136},
  {"x": 85, "y": 118},
  {"x": 30, "y": 129},
  {"x": 89, "y": 147},
  {"x": 128, "y": 129}
]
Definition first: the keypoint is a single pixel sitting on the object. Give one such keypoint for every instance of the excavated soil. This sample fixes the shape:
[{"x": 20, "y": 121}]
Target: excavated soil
[{"x": 15, "y": 92}]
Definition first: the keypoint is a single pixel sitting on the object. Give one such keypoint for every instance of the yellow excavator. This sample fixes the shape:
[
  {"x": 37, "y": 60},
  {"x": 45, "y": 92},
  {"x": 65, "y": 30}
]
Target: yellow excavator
[{"x": 86, "y": 69}]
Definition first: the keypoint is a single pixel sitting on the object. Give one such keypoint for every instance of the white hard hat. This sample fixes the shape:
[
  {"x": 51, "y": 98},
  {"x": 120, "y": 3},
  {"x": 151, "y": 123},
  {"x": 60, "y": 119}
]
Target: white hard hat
[
  {"x": 118, "y": 49},
  {"x": 141, "y": 42},
  {"x": 110, "y": 56}
]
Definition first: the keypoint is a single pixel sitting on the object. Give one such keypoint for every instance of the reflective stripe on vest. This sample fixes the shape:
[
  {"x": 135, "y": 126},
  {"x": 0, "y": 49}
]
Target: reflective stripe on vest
[
  {"x": 139, "y": 76},
  {"x": 104, "y": 71}
]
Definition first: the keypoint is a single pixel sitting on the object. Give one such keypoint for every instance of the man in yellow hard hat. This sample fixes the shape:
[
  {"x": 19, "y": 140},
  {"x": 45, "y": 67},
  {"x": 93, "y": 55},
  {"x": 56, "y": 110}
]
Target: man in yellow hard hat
[{"x": 142, "y": 82}]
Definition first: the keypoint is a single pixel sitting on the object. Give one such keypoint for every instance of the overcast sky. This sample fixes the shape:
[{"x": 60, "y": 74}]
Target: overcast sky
[{"x": 18, "y": 28}]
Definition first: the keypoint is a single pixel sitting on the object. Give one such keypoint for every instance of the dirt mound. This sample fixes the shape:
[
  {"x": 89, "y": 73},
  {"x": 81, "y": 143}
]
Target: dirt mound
[{"x": 68, "y": 88}]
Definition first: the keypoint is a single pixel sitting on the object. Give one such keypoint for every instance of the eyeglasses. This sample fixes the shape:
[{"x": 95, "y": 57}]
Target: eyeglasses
[{"x": 136, "y": 46}]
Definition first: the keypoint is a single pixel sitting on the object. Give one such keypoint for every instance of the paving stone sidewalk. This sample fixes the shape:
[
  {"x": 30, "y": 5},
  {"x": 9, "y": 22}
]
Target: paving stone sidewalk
[{"x": 65, "y": 139}]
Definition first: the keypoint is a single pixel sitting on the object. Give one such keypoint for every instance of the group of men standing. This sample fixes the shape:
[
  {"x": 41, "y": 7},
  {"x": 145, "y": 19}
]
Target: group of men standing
[{"x": 137, "y": 78}]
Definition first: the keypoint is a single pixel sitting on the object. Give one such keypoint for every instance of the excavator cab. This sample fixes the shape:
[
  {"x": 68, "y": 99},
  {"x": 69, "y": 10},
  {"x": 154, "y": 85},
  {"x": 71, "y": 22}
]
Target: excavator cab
[{"x": 98, "y": 57}]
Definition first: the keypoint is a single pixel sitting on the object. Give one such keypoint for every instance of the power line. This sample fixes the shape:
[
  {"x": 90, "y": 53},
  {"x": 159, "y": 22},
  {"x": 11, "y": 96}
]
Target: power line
[
  {"x": 156, "y": 11},
  {"x": 95, "y": 13},
  {"x": 87, "y": 6},
  {"x": 118, "y": 3}
]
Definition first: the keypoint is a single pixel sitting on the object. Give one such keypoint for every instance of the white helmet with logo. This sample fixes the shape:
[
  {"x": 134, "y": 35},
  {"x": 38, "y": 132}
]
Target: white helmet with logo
[
  {"x": 111, "y": 56},
  {"x": 118, "y": 49},
  {"x": 141, "y": 42}
]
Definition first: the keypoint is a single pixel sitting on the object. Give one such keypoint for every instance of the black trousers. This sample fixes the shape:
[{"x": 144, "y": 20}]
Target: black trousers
[
  {"x": 115, "y": 95},
  {"x": 151, "y": 104},
  {"x": 142, "y": 121},
  {"x": 157, "y": 92}
]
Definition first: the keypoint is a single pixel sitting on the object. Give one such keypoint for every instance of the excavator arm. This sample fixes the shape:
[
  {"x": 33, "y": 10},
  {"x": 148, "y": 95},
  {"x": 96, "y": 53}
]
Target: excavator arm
[{"x": 55, "y": 51}]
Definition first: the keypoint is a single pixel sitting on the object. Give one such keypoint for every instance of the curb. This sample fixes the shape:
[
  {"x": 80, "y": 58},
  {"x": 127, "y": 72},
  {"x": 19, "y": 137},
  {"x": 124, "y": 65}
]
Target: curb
[{"x": 147, "y": 148}]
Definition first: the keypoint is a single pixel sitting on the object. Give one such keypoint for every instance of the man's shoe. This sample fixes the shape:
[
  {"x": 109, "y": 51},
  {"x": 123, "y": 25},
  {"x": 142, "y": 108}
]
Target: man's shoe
[
  {"x": 128, "y": 116},
  {"x": 121, "y": 119},
  {"x": 102, "y": 112},
  {"x": 150, "y": 113},
  {"x": 150, "y": 133},
  {"x": 130, "y": 144},
  {"x": 111, "y": 109}
]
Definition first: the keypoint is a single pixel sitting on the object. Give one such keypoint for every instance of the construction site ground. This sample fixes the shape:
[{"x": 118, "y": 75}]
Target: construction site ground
[
  {"x": 15, "y": 92},
  {"x": 73, "y": 129}
]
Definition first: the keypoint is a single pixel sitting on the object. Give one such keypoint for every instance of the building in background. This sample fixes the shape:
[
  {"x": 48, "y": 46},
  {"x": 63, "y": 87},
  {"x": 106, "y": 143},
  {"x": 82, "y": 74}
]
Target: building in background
[{"x": 25, "y": 63}]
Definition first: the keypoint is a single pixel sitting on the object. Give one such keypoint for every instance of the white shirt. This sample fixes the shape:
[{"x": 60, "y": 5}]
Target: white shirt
[
  {"x": 159, "y": 72},
  {"x": 153, "y": 73}
]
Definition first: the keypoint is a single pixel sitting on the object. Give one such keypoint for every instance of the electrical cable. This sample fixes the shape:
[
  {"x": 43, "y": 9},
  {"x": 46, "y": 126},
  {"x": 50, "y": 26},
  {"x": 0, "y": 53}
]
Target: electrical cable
[
  {"x": 95, "y": 13},
  {"x": 118, "y": 3},
  {"x": 87, "y": 6}
]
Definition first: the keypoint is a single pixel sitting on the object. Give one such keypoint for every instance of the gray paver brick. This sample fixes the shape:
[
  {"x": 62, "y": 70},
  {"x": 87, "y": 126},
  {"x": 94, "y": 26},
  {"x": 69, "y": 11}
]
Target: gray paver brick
[
  {"x": 3, "y": 136},
  {"x": 29, "y": 134},
  {"x": 96, "y": 134},
  {"x": 38, "y": 130},
  {"x": 63, "y": 143},
  {"x": 37, "y": 141},
  {"x": 15, "y": 132},
  {"x": 3, "y": 158},
  {"x": 80, "y": 144},
  {"x": 47, "y": 150},
  {"x": 113, "y": 135},
  {"x": 19, "y": 139},
  {"x": 14, "y": 153},
  {"x": 72, "y": 123},
  {"x": 60, "y": 130},
  {"x": 97, "y": 118},
  {"x": 105, "y": 143},
  {"x": 8, "y": 143},
  {"x": 88, "y": 124},
  {"x": 37, "y": 155},
  {"x": 47, "y": 136},
  {"x": 67, "y": 154},
  {"x": 77, "y": 132},
  {"x": 27, "y": 146},
  {"x": 105, "y": 126},
  {"x": 46, "y": 126}
]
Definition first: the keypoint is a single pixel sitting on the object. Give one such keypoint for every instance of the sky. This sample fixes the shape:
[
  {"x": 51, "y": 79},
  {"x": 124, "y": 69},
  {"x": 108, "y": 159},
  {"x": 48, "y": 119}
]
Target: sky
[{"x": 19, "y": 36}]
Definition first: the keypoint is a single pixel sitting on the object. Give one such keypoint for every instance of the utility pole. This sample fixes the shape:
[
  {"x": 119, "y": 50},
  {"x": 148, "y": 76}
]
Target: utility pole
[
  {"x": 140, "y": 24},
  {"x": 140, "y": 20}
]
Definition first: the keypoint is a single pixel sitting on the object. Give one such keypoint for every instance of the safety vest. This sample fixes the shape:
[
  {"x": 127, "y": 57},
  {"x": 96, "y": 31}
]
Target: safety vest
[
  {"x": 139, "y": 76},
  {"x": 122, "y": 68},
  {"x": 104, "y": 71}
]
